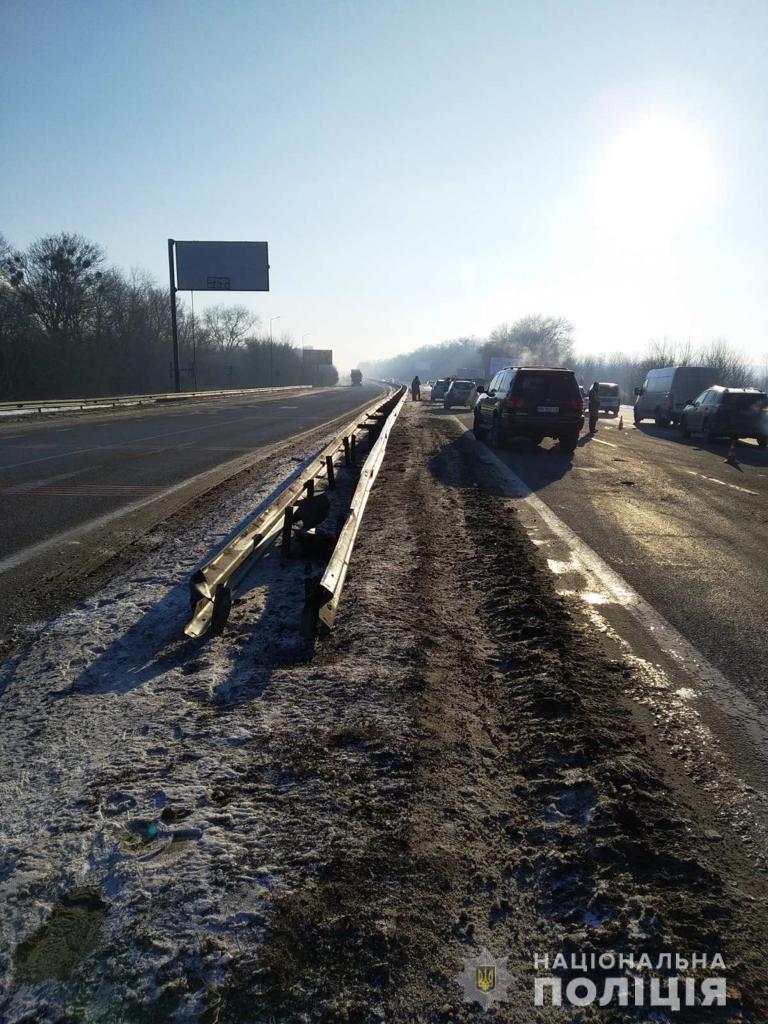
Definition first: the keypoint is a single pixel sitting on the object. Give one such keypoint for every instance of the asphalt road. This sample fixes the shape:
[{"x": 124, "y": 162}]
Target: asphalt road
[
  {"x": 686, "y": 530},
  {"x": 58, "y": 474}
]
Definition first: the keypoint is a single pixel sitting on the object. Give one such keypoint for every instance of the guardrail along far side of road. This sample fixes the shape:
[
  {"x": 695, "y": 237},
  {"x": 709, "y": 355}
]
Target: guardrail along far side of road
[
  {"x": 113, "y": 401},
  {"x": 295, "y": 515}
]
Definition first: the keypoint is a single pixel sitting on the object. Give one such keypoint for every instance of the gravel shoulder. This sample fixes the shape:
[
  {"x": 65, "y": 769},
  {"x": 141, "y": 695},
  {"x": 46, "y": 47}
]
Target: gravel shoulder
[{"x": 255, "y": 830}]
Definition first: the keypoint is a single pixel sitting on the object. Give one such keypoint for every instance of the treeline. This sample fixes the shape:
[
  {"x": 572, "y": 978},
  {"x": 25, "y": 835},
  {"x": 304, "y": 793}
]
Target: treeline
[
  {"x": 72, "y": 326},
  {"x": 548, "y": 341}
]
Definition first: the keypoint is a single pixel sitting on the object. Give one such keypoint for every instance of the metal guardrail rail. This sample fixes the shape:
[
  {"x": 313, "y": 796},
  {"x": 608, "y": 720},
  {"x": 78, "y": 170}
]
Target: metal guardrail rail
[
  {"x": 212, "y": 584},
  {"x": 116, "y": 400},
  {"x": 322, "y": 605}
]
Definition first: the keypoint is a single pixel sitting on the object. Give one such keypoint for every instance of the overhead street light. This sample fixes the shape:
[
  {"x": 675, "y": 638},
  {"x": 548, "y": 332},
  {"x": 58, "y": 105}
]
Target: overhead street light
[{"x": 271, "y": 351}]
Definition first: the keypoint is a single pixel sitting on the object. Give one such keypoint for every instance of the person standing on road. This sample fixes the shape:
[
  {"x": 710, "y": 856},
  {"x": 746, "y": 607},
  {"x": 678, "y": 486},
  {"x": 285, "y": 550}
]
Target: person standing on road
[
  {"x": 416, "y": 389},
  {"x": 594, "y": 406}
]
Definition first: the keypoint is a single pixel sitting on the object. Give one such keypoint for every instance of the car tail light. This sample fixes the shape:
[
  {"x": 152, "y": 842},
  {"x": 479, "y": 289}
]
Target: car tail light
[
  {"x": 516, "y": 403},
  {"x": 575, "y": 405}
]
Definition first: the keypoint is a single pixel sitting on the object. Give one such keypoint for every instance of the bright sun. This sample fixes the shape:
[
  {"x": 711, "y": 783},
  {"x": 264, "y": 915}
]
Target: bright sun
[{"x": 655, "y": 176}]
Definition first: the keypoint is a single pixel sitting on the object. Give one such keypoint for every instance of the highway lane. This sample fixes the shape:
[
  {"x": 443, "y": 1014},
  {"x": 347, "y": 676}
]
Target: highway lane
[
  {"x": 59, "y": 474},
  {"x": 686, "y": 530}
]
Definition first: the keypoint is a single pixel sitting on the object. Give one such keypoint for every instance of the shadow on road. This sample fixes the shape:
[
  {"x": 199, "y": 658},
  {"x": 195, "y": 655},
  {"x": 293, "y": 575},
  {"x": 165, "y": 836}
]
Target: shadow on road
[
  {"x": 746, "y": 452},
  {"x": 537, "y": 465}
]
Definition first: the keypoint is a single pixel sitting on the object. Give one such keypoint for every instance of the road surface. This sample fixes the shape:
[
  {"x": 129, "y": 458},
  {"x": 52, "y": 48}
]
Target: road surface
[
  {"x": 71, "y": 484},
  {"x": 686, "y": 530}
]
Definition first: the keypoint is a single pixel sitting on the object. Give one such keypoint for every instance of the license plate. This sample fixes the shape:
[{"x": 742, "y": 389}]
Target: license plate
[{"x": 548, "y": 408}]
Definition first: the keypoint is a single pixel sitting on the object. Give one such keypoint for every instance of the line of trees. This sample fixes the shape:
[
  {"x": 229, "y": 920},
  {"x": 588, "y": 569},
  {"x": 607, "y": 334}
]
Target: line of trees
[
  {"x": 549, "y": 341},
  {"x": 72, "y": 326}
]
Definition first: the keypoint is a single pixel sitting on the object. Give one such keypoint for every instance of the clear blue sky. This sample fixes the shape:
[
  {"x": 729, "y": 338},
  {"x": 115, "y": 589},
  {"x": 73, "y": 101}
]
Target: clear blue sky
[{"x": 421, "y": 169}]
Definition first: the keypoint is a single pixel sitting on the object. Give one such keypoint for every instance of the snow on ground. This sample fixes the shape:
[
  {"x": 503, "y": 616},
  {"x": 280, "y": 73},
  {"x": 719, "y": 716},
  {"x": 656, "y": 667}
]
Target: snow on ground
[{"x": 121, "y": 744}]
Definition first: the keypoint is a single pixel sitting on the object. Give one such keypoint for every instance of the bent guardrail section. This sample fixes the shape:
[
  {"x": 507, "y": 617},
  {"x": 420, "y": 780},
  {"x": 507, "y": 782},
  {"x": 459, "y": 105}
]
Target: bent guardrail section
[{"x": 212, "y": 584}]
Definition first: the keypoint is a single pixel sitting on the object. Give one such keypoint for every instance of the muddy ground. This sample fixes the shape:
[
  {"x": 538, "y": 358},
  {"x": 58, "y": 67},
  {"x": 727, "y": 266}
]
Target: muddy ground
[{"x": 462, "y": 766}]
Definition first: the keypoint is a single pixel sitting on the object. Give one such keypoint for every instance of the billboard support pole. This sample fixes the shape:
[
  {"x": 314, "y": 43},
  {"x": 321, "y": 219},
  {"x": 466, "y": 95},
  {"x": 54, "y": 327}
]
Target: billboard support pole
[{"x": 174, "y": 325}]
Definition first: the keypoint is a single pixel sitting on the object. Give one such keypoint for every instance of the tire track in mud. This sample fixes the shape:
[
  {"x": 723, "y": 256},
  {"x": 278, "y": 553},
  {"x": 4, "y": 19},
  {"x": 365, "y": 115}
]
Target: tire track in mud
[{"x": 475, "y": 779}]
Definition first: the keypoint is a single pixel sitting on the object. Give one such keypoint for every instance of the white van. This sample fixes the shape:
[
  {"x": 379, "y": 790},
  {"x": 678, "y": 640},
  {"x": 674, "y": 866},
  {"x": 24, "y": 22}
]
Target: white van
[{"x": 666, "y": 392}]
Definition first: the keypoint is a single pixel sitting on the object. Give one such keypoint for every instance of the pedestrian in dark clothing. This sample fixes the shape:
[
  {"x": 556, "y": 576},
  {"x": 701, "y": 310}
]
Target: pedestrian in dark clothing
[
  {"x": 594, "y": 406},
  {"x": 416, "y": 389}
]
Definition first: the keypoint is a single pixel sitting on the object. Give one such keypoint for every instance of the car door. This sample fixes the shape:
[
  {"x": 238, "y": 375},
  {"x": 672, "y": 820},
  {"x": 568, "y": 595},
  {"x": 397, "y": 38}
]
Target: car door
[
  {"x": 484, "y": 404},
  {"x": 502, "y": 390},
  {"x": 694, "y": 416}
]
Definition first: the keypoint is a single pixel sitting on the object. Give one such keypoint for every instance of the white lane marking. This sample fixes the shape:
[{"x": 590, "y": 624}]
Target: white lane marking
[
  {"x": 35, "y": 485},
  {"x": 10, "y": 437},
  {"x": 723, "y": 483},
  {"x": 608, "y": 443},
  {"x": 288, "y": 407},
  {"x": 733, "y": 702}
]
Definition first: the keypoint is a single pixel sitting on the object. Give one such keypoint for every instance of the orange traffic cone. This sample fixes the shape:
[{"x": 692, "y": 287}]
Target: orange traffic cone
[
  {"x": 731, "y": 456},
  {"x": 621, "y": 422}
]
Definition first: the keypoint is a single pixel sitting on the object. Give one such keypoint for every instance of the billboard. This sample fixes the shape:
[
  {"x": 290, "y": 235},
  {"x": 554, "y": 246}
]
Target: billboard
[
  {"x": 317, "y": 356},
  {"x": 222, "y": 266}
]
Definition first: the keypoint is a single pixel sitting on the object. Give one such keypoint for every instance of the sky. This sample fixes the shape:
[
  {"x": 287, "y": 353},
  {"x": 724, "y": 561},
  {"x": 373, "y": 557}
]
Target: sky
[{"x": 421, "y": 170}]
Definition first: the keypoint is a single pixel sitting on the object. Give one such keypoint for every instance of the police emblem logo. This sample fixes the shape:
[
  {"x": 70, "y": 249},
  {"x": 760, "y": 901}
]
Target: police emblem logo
[{"x": 485, "y": 979}]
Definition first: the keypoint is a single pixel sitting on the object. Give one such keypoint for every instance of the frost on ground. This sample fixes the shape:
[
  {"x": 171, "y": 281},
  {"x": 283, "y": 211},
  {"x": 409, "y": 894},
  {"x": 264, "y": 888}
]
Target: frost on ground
[{"x": 251, "y": 831}]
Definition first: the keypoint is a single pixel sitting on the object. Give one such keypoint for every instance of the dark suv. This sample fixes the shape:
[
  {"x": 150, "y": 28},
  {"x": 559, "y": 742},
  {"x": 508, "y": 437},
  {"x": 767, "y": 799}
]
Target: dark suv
[
  {"x": 727, "y": 412},
  {"x": 530, "y": 401}
]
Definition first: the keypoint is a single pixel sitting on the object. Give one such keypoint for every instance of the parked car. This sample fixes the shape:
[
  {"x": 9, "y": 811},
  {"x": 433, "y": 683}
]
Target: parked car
[
  {"x": 667, "y": 391},
  {"x": 439, "y": 388},
  {"x": 727, "y": 412},
  {"x": 460, "y": 392},
  {"x": 534, "y": 402},
  {"x": 610, "y": 398}
]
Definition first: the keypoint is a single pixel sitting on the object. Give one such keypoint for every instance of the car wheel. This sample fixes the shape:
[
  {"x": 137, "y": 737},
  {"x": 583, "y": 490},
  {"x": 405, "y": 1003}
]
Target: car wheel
[
  {"x": 762, "y": 440},
  {"x": 661, "y": 420},
  {"x": 497, "y": 437},
  {"x": 568, "y": 442},
  {"x": 684, "y": 429}
]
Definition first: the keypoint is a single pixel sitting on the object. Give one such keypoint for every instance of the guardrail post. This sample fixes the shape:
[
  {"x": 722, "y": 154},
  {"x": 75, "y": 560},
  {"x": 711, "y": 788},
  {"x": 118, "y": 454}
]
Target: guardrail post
[
  {"x": 352, "y": 453},
  {"x": 287, "y": 530},
  {"x": 329, "y": 472},
  {"x": 310, "y": 488}
]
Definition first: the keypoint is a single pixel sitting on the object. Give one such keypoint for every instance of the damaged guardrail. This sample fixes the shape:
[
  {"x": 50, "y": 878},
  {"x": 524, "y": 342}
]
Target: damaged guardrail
[
  {"x": 211, "y": 586},
  {"x": 323, "y": 599}
]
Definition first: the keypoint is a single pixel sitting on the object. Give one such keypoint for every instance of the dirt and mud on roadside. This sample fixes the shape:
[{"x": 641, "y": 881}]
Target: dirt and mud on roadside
[
  {"x": 458, "y": 772},
  {"x": 491, "y": 791}
]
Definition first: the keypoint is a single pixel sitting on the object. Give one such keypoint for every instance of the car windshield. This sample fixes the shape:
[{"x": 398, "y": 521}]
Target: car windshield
[
  {"x": 609, "y": 389},
  {"x": 462, "y": 385}
]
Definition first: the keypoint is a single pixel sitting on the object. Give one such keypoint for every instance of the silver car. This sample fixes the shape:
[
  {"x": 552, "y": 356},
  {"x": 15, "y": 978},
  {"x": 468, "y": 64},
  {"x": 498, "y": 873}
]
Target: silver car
[{"x": 459, "y": 393}]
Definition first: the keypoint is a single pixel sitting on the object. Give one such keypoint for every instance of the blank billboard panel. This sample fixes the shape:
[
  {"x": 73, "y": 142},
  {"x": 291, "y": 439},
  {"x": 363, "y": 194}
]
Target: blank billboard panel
[{"x": 222, "y": 266}]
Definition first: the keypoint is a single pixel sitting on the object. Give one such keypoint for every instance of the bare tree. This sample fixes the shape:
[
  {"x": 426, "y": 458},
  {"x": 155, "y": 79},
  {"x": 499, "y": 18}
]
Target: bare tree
[{"x": 229, "y": 327}]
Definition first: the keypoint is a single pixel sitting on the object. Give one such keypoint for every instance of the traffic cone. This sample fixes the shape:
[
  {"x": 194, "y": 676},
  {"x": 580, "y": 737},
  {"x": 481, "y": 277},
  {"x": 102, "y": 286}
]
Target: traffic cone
[
  {"x": 731, "y": 456},
  {"x": 621, "y": 422}
]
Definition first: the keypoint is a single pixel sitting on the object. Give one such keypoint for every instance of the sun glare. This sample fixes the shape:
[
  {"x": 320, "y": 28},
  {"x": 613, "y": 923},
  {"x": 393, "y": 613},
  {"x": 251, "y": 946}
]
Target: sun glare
[{"x": 655, "y": 176}]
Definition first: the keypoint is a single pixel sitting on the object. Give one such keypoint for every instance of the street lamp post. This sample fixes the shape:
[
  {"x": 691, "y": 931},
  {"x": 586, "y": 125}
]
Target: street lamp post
[
  {"x": 307, "y": 335},
  {"x": 271, "y": 351}
]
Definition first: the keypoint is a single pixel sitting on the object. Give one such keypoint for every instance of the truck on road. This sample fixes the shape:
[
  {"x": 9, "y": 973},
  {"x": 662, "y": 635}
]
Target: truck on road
[{"x": 356, "y": 376}]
